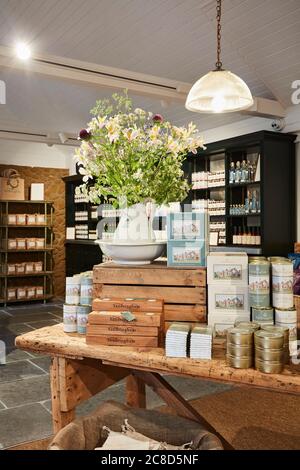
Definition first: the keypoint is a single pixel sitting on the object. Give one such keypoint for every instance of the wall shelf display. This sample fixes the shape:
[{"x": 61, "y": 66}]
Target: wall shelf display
[
  {"x": 26, "y": 252},
  {"x": 83, "y": 217},
  {"x": 256, "y": 218}
]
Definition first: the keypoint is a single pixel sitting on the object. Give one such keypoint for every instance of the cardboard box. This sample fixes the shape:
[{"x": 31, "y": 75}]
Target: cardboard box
[
  {"x": 37, "y": 191},
  {"x": 21, "y": 219},
  {"x": 31, "y": 244},
  {"x": 228, "y": 300},
  {"x": 227, "y": 269},
  {"x": 221, "y": 324},
  {"x": 31, "y": 219},
  {"x": 31, "y": 292},
  {"x": 20, "y": 268},
  {"x": 21, "y": 293},
  {"x": 187, "y": 253},
  {"x": 187, "y": 226},
  {"x": 12, "y": 189}
]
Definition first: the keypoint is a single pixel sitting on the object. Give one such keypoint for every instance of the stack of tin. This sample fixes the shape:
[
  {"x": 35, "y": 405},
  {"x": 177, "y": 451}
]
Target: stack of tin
[
  {"x": 269, "y": 351},
  {"x": 259, "y": 291},
  {"x": 239, "y": 352},
  {"x": 78, "y": 302},
  {"x": 285, "y": 332}
]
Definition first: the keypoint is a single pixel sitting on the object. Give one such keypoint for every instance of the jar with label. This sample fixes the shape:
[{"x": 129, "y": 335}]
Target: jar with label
[
  {"x": 287, "y": 318},
  {"x": 259, "y": 283},
  {"x": 82, "y": 318},
  {"x": 73, "y": 290},
  {"x": 86, "y": 291},
  {"x": 70, "y": 318},
  {"x": 282, "y": 284}
]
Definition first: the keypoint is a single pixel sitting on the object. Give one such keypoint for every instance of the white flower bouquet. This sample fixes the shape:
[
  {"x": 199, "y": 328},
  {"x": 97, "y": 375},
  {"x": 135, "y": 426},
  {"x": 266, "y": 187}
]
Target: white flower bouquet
[{"x": 133, "y": 155}]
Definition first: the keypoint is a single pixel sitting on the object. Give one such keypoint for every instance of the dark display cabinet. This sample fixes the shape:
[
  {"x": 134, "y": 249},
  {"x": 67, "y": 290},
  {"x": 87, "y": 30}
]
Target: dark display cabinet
[
  {"x": 261, "y": 207},
  {"x": 82, "y": 252}
]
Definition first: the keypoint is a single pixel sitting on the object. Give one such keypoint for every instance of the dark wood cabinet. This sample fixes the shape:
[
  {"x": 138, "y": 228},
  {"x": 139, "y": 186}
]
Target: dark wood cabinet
[{"x": 275, "y": 188}]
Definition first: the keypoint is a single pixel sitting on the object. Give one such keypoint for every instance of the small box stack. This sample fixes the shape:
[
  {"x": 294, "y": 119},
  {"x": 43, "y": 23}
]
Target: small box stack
[
  {"x": 201, "y": 342},
  {"x": 177, "y": 340},
  {"x": 228, "y": 298},
  {"x": 126, "y": 322}
]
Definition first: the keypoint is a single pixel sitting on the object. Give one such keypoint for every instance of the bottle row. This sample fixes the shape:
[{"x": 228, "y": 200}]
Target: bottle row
[
  {"x": 246, "y": 236},
  {"x": 251, "y": 205},
  {"x": 242, "y": 172}
]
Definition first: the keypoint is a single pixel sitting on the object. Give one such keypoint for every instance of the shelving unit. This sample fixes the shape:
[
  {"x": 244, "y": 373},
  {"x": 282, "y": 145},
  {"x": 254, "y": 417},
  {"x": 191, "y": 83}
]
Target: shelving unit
[
  {"x": 276, "y": 219},
  {"x": 16, "y": 256},
  {"x": 81, "y": 254}
]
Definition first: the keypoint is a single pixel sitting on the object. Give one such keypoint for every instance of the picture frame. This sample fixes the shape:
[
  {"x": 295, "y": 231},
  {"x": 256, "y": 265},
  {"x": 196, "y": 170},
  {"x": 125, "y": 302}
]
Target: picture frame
[
  {"x": 187, "y": 225},
  {"x": 187, "y": 253}
]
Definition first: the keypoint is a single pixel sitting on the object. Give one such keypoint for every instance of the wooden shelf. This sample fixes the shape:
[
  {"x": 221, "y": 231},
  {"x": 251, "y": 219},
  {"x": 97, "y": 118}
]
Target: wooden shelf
[
  {"x": 2, "y": 250},
  {"x": 244, "y": 215},
  {"x": 17, "y": 276},
  {"x": 38, "y": 299},
  {"x": 27, "y": 202},
  {"x": 81, "y": 242},
  {"x": 243, "y": 185},
  {"x": 25, "y": 226}
]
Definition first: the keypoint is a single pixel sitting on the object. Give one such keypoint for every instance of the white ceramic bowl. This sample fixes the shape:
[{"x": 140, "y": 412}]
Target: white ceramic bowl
[{"x": 137, "y": 254}]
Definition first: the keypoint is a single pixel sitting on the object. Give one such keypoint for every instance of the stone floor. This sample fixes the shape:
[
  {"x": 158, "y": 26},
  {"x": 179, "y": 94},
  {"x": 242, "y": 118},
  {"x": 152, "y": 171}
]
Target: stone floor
[{"x": 25, "y": 407}]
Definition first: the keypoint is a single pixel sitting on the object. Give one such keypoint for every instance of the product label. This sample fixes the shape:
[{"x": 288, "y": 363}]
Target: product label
[
  {"x": 259, "y": 284},
  {"x": 282, "y": 285}
]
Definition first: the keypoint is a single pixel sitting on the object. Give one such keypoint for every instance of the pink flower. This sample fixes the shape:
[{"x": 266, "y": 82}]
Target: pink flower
[
  {"x": 157, "y": 118},
  {"x": 84, "y": 134}
]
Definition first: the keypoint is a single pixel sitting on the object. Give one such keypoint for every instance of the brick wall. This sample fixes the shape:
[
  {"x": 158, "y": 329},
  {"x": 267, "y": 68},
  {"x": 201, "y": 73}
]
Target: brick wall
[{"x": 54, "y": 191}]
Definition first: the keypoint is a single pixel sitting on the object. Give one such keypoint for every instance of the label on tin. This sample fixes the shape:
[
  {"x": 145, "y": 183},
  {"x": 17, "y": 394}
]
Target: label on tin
[
  {"x": 72, "y": 293},
  {"x": 259, "y": 284},
  {"x": 281, "y": 300},
  {"x": 82, "y": 319},
  {"x": 70, "y": 321},
  {"x": 263, "y": 315}
]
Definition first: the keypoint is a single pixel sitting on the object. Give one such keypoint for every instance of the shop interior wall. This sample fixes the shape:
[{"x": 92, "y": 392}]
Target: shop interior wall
[{"x": 38, "y": 163}]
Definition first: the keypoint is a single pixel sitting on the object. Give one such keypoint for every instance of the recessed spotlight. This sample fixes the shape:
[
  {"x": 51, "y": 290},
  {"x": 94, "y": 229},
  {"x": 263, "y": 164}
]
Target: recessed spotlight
[{"x": 23, "y": 51}]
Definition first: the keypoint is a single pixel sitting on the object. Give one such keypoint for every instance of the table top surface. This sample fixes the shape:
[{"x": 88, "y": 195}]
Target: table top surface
[{"x": 53, "y": 341}]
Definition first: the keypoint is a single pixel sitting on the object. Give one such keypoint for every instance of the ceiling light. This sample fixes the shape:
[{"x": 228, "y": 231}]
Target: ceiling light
[
  {"x": 23, "y": 51},
  {"x": 219, "y": 91}
]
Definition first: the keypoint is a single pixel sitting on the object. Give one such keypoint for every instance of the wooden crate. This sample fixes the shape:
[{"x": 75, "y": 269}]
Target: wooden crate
[{"x": 182, "y": 289}]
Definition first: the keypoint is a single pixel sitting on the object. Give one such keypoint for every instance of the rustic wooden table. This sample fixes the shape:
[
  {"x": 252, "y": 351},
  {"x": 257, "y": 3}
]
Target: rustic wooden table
[{"x": 78, "y": 371}]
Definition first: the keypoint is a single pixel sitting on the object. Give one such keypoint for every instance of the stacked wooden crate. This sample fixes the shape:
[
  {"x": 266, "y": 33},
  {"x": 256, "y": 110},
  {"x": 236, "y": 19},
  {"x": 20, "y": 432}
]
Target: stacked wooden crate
[
  {"x": 126, "y": 322},
  {"x": 182, "y": 289}
]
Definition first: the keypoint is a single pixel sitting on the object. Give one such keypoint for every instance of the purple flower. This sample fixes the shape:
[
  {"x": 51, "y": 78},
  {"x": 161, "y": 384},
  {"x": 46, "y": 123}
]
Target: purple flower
[
  {"x": 84, "y": 134},
  {"x": 157, "y": 118}
]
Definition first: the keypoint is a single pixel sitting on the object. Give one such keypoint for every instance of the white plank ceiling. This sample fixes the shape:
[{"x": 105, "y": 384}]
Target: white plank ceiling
[{"x": 168, "y": 38}]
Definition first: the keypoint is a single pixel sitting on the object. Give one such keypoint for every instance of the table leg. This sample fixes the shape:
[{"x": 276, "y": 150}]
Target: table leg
[
  {"x": 135, "y": 392},
  {"x": 59, "y": 418}
]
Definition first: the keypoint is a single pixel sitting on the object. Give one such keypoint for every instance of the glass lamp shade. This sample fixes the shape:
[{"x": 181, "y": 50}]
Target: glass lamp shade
[{"x": 219, "y": 91}]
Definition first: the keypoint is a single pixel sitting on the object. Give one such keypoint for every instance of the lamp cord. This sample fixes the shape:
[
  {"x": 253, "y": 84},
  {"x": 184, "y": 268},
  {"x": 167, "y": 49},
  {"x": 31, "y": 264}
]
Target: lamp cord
[{"x": 219, "y": 12}]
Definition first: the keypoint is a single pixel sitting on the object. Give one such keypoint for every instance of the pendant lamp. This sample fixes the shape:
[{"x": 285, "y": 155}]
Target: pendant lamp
[{"x": 219, "y": 91}]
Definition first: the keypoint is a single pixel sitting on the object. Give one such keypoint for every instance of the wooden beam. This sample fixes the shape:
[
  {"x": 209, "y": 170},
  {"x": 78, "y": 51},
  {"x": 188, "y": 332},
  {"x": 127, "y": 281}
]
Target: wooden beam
[
  {"x": 135, "y": 392},
  {"x": 59, "y": 418},
  {"x": 115, "y": 78},
  {"x": 81, "y": 380},
  {"x": 174, "y": 400}
]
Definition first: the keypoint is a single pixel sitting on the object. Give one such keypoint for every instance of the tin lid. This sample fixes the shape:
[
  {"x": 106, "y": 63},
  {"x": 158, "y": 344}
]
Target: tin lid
[
  {"x": 281, "y": 261},
  {"x": 293, "y": 309},
  {"x": 269, "y": 309},
  {"x": 247, "y": 324},
  {"x": 239, "y": 331},
  {"x": 264, "y": 333},
  {"x": 257, "y": 261},
  {"x": 275, "y": 328}
]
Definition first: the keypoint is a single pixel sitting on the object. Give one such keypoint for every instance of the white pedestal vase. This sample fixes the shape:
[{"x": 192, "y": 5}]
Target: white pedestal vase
[{"x": 134, "y": 239}]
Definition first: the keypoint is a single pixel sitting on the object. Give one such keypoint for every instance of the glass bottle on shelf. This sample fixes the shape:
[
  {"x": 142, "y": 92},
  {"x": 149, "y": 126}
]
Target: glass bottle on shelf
[
  {"x": 234, "y": 236},
  {"x": 232, "y": 173},
  {"x": 239, "y": 236},
  {"x": 238, "y": 173},
  {"x": 248, "y": 239},
  {"x": 253, "y": 207},
  {"x": 244, "y": 172},
  {"x": 247, "y": 203},
  {"x": 252, "y": 172},
  {"x": 258, "y": 237}
]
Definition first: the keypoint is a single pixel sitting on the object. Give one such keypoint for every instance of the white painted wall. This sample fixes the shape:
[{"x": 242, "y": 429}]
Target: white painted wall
[{"x": 35, "y": 154}]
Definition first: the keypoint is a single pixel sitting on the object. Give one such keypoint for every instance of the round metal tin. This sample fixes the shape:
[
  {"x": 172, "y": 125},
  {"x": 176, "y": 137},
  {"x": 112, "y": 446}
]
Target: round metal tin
[
  {"x": 278, "y": 329},
  {"x": 247, "y": 324},
  {"x": 261, "y": 314},
  {"x": 274, "y": 355},
  {"x": 268, "y": 367},
  {"x": 242, "y": 336},
  {"x": 268, "y": 339},
  {"x": 239, "y": 362},
  {"x": 238, "y": 350}
]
